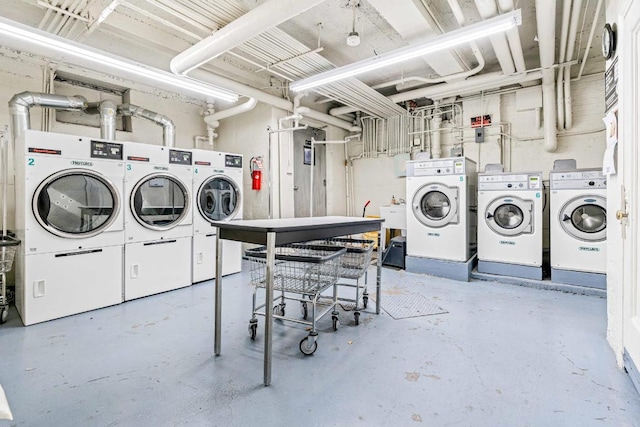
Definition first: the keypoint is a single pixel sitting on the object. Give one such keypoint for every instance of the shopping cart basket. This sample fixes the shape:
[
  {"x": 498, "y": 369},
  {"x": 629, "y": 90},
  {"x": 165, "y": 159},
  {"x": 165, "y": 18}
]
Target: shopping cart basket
[{"x": 8, "y": 247}]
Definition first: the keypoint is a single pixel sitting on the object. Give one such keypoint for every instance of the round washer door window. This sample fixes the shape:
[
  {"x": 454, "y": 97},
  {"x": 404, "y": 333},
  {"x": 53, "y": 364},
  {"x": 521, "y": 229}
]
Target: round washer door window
[
  {"x": 76, "y": 203},
  {"x": 436, "y": 205},
  {"x": 159, "y": 201},
  {"x": 218, "y": 199},
  {"x": 585, "y": 218},
  {"x": 510, "y": 217}
]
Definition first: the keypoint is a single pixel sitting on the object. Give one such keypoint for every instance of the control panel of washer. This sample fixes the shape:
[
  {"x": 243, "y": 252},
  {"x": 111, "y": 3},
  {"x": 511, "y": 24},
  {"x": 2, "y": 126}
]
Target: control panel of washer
[
  {"x": 527, "y": 181},
  {"x": 572, "y": 180}
]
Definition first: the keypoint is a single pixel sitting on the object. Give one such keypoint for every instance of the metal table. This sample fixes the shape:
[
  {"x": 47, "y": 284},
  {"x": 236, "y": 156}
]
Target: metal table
[{"x": 272, "y": 232}]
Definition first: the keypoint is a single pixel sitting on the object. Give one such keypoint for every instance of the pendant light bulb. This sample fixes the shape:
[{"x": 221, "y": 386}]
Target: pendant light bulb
[{"x": 353, "y": 38}]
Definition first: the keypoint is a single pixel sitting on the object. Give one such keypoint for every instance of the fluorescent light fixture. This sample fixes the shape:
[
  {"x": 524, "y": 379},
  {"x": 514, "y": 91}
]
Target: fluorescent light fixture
[
  {"x": 445, "y": 41},
  {"x": 46, "y": 44}
]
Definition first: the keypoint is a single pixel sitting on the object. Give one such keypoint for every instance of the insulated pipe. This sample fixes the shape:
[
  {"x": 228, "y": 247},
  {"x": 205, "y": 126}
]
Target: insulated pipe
[
  {"x": 513, "y": 37},
  {"x": 488, "y": 9},
  {"x": 436, "y": 149},
  {"x": 168, "y": 128},
  {"x": 249, "y": 25},
  {"x": 20, "y": 104},
  {"x": 546, "y": 22},
  {"x": 213, "y": 120},
  {"x": 267, "y": 98},
  {"x": 564, "y": 32},
  {"x": 590, "y": 41},
  {"x": 108, "y": 111},
  {"x": 573, "y": 31}
]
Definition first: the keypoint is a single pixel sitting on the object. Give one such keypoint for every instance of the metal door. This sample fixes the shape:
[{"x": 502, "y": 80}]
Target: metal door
[
  {"x": 76, "y": 203},
  {"x": 585, "y": 218},
  {"x": 218, "y": 198},
  {"x": 510, "y": 216},
  {"x": 436, "y": 205},
  {"x": 302, "y": 170},
  {"x": 159, "y": 201}
]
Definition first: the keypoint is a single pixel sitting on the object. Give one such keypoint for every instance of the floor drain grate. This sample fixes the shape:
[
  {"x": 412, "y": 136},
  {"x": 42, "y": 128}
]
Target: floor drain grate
[{"x": 409, "y": 305}]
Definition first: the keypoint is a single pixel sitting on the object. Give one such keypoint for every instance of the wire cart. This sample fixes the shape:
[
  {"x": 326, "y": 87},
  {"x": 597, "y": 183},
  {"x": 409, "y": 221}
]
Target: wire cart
[
  {"x": 354, "y": 266},
  {"x": 8, "y": 247},
  {"x": 301, "y": 271}
]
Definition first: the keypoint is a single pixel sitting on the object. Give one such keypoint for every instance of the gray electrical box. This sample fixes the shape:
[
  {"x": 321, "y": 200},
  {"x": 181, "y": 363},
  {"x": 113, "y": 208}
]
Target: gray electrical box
[{"x": 479, "y": 134}]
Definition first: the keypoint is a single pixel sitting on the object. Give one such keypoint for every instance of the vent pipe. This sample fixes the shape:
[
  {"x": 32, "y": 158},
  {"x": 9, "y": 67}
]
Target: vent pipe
[
  {"x": 169, "y": 129},
  {"x": 108, "y": 111},
  {"x": 21, "y": 103}
]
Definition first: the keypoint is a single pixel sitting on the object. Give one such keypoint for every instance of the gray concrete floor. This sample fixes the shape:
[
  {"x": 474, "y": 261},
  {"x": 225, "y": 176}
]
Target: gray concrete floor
[{"x": 503, "y": 355}]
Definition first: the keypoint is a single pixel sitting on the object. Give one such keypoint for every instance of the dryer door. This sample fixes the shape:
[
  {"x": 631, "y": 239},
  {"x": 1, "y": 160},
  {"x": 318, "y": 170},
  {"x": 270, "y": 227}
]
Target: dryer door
[
  {"x": 159, "y": 201},
  {"x": 218, "y": 198},
  {"x": 76, "y": 203},
  {"x": 436, "y": 205},
  {"x": 510, "y": 216},
  {"x": 585, "y": 218}
]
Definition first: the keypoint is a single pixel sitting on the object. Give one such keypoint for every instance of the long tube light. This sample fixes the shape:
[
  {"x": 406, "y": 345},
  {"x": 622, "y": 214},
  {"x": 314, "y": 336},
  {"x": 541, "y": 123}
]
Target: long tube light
[
  {"x": 43, "y": 43},
  {"x": 448, "y": 40}
]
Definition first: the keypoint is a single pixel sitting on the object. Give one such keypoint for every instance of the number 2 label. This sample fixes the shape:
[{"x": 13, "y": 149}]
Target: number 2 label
[{"x": 31, "y": 161}]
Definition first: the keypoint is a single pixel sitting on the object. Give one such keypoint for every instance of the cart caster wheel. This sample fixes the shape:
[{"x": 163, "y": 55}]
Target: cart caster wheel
[
  {"x": 336, "y": 322},
  {"x": 253, "y": 328},
  {"x": 4, "y": 313},
  {"x": 278, "y": 310},
  {"x": 356, "y": 317},
  {"x": 365, "y": 300},
  {"x": 308, "y": 348},
  {"x": 304, "y": 309}
]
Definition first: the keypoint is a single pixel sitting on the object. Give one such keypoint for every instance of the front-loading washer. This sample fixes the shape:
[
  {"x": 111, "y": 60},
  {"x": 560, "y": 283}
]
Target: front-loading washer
[
  {"x": 442, "y": 212},
  {"x": 510, "y": 230},
  {"x": 158, "y": 219},
  {"x": 578, "y": 227},
  {"x": 217, "y": 189},
  {"x": 69, "y": 217}
]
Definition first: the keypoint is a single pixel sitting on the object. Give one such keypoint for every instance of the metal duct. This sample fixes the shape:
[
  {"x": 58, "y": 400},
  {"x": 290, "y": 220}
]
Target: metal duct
[
  {"x": 169, "y": 129},
  {"x": 21, "y": 103},
  {"x": 108, "y": 111},
  {"x": 249, "y": 25}
]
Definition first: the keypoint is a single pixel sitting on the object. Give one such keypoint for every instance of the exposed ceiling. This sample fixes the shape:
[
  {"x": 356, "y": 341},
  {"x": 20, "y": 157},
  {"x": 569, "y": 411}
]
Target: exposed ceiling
[{"x": 154, "y": 31}]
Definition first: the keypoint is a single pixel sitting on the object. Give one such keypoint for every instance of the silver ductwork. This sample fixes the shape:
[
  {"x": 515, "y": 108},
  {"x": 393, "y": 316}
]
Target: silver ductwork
[
  {"x": 21, "y": 103},
  {"x": 169, "y": 128},
  {"x": 108, "y": 111}
]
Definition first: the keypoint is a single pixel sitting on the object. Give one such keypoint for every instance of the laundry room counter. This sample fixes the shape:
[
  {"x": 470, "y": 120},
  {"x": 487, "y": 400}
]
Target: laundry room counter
[{"x": 272, "y": 232}]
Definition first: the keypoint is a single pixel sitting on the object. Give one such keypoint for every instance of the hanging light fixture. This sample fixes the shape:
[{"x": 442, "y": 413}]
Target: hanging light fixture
[
  {"x": 353, "y": 38},
  {"x": 445, "y": 41}
]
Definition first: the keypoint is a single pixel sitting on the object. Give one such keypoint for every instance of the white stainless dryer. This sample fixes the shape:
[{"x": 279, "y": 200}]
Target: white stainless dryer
[
  {"x": 217, "y": 189},
  {"x": 441, "y": 217},
  {"x": 510, "y": 209},
  {"x": 578, "y": 227},
  {"x": 158, "y": 219},
  {"x": 69, "y": 217}
]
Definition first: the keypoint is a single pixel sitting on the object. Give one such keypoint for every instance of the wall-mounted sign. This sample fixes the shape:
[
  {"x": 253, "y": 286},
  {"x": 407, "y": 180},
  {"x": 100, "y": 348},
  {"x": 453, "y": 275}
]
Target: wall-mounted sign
[
  {"x": 481, "y": 121},
  {"x": 611, "y": 86}
]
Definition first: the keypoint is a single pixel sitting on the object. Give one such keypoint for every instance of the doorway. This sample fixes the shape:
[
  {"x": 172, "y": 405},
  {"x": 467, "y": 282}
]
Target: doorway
[{"x": 306, "y": 163}]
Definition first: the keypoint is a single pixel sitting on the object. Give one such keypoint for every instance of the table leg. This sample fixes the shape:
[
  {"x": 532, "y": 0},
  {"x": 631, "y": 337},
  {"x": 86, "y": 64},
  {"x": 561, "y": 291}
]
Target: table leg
[
  {"x": 218, "y": 297},
  {"x": 268, "y": 321},
  {"x": 381, "y": 245}
]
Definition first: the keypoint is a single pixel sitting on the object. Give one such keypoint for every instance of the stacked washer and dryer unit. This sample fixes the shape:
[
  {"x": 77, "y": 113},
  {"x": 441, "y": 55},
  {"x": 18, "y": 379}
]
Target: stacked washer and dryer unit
[
  {"x": 69, "y": 217},
  {"x": 442, "y": 217},
  {"x": 578, "y": 227},
  {"x": 217, "y": 190},
  {"x": 510, "y": 231}
]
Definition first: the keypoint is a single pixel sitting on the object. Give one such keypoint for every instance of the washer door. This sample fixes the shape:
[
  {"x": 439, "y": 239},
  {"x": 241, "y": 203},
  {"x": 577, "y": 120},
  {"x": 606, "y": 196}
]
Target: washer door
[
  {"x": 436, "y": 205},
  {"x": 218, "y": 198},
  {"x": 159, "y": 201},
  {"x": 510, "y": 216},
  {"x": 585, "y": 218},
  {"x": 76, "y": 203}
]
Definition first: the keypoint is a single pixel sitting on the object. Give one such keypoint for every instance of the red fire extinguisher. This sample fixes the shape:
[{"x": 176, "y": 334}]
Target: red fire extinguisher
[{"x": 255, "y": 167}]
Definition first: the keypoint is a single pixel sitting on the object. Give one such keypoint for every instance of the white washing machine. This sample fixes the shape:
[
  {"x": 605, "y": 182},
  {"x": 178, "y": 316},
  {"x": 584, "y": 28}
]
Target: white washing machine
[
  {"x": 510, "y": 233},
  {"x": 578, "y": 227},
  {"x": 217, "y": 189},
  {"x": 158, "y": 219},
  {"x": 69, "y": 216},
  {"x": 442, "y": 215}
]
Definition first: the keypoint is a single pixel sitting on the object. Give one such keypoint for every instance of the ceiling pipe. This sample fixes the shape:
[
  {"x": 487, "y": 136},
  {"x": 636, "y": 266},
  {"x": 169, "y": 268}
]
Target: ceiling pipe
[
  {"x": 571, "y": 42},
  {"x": 590, "y": 41},
  {"x": 249, "y": 25},
  {"x": 488, "y": 9},
  {"x": 21, "y": 103},
  {"x": 267, "y": 98},
  {"x": 108, "y": 110},
  {"x": 546, "y": 24},
  {"x": 213, "y": 120},
  {"x": 564, "y": 34},
  {"x": 168, "y": 128},
  {"x": 513, "y": 37}
]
